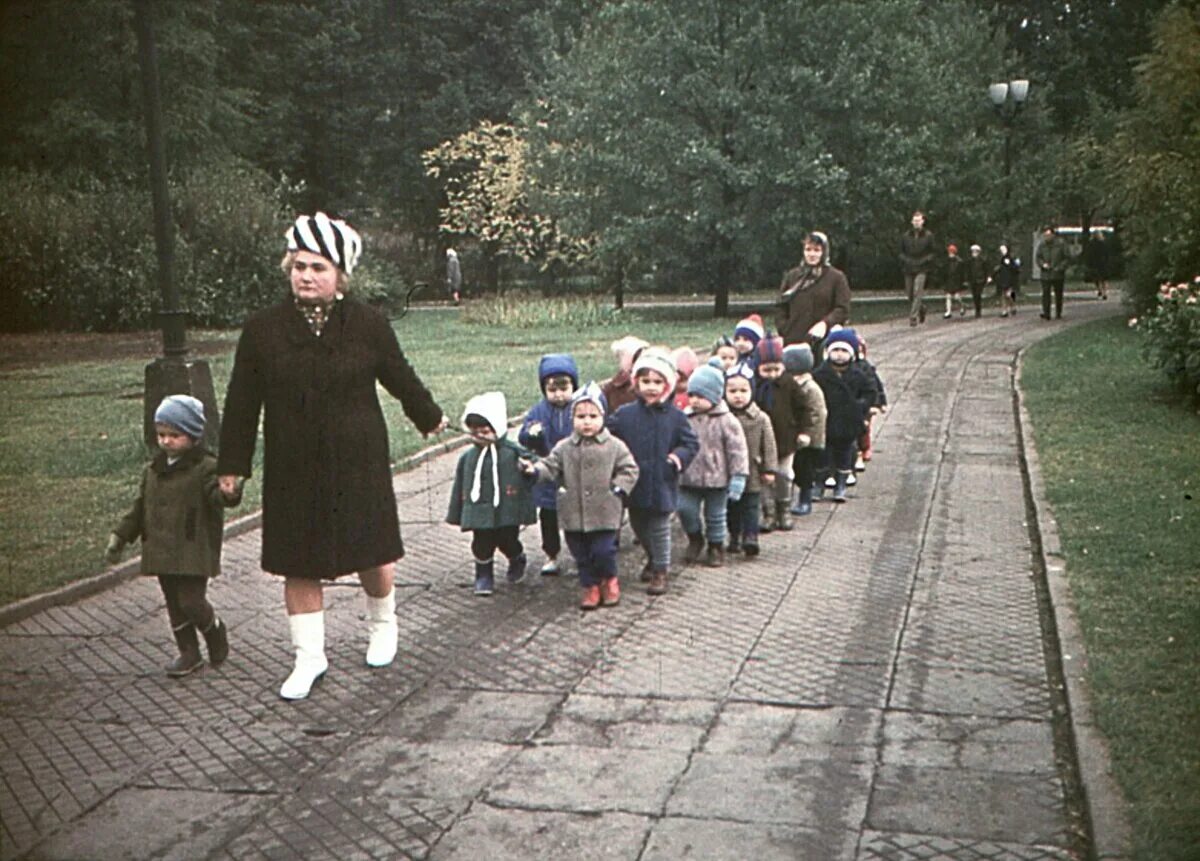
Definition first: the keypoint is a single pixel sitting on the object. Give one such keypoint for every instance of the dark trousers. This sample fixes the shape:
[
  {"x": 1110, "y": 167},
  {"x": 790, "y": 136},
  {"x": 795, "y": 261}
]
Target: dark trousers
[
  {"x": 743, "y": 518},
  {"x": 187, "y": 600},
  {"x": 548, "y": 521},
  {"x": 977, "y": 298},
  {"x": 838, "y": 457},
  {"x": 485, "y": 543},
  {"x": 595, "y": 555},
  {"x": 1055, "y": 284}
]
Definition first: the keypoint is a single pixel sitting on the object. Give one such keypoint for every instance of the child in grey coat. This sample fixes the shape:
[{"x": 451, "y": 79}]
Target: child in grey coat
[{"x": 595, "y": 473}]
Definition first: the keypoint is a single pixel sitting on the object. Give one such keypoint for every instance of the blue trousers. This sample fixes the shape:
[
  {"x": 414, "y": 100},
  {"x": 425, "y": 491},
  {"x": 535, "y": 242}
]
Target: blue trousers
[
  {"x": 714, "y": 500},
  {"x": 653, "y": 529},
  {"x": 743, "y": 517},
  {"x": 595, "y": 555}
]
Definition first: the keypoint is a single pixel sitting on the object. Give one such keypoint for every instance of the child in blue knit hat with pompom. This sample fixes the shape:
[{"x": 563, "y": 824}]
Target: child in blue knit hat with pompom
[{"x": 178, "y": 515}]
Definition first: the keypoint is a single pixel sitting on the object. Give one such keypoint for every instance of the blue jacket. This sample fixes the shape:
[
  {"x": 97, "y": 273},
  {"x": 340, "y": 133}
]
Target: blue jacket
[
  {"x": 556, "y": 422},
  {"x": 652, "y": 433}
]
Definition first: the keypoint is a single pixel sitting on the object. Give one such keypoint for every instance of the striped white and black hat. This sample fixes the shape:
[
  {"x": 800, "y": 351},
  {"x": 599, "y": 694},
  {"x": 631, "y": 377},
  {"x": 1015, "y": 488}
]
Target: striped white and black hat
[{"x": 333, "y": 239}]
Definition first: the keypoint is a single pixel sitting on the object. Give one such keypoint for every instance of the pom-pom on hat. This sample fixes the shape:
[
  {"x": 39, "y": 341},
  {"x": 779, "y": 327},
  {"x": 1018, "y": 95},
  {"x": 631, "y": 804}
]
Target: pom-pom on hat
[
  {"x": 770, "y": 350},
  {"x": 333, "y": 239},
  {"x": 686, "y": 360},
  {"x": 708, "y": 383},
  {"x": 797, "y": 358},
  {"x": 841, "y": 346},
  {"x": 592, "y": 394},
  {"x": 751, "y": 327},
  {"x": 655, "y": 359},
  {"x": 182, "y": 412}
]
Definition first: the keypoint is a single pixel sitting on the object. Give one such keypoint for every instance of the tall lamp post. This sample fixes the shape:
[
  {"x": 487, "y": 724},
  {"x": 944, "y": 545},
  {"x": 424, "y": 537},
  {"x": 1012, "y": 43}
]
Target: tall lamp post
[
  {"x": 1007, "y": 100},
  {"x": 174, "y": 373}
]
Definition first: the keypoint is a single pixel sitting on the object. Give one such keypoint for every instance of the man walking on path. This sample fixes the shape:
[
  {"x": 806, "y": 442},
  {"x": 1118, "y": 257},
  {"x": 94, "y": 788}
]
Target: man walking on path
[
  {"x": 1052, "y": 267},
  {"x": 917, "y": 251},
  {"x": 453, "y": 276}
]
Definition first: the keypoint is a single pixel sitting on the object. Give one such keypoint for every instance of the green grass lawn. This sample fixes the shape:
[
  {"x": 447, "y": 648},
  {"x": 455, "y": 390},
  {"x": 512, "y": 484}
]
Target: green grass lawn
[{"x": 1121, "y": 462}]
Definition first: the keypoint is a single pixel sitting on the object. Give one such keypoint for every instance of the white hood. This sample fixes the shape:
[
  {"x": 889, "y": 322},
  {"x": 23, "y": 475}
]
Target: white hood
[{"x": 493, "y": 407}]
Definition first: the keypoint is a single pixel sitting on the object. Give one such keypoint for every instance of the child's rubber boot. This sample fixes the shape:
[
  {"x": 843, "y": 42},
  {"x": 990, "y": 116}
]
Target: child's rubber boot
[
  {"x": 308, "y": 636},
  {"x": 782, "y": 522},
  {"x": 384, "y": 631},
  {"x": 735, "y": 542},
  {"x": 695, "y": 547},
  {"x": 715, "y": 556},
  {"x": 610, "y": 592},
  {"x": 516, "y": 568},
  {"x": 767, "y": 523},
  {"x": 839, "y": 489},
  {"x": 804, "y": 502},
  {"x": 485, "y": 579},
  {"x": 658, "y": 582},
  {"x": 189, "y": 659},
  {"x": 216, "y": 638}
]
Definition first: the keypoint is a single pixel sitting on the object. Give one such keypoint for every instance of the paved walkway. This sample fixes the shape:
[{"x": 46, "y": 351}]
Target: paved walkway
[{"x": 877, "y": 685}]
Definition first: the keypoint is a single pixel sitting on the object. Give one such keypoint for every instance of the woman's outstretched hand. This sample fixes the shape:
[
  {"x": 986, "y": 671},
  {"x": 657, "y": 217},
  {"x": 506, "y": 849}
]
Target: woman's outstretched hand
[{"x": 441, "y": 426}]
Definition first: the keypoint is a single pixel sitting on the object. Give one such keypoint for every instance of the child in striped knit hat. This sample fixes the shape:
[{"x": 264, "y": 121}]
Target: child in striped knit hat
[{"x": 746, "y": 335}]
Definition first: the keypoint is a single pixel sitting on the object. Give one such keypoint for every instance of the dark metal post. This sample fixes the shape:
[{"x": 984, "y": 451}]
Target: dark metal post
[{"x": 173, "y": 373}]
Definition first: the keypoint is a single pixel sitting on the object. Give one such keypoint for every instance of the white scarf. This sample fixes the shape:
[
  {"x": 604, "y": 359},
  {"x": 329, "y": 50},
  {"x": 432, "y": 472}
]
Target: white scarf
[{"x": 477, "y": 484}]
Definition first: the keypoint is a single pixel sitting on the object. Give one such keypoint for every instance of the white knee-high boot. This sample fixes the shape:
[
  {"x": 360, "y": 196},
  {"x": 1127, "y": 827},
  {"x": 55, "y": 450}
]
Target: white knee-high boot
[
  {"x": 381, "y": 622},
  {"x": 308, "y": 636}
]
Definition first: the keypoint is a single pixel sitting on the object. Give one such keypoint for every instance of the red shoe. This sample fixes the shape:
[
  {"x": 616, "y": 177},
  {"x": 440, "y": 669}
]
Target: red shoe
[
  {"x": 590, "y": 599},
  {"x": 610, "y": 592}
]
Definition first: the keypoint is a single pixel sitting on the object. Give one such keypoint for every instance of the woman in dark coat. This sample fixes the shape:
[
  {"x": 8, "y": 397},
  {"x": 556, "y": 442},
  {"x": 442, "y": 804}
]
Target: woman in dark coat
[
  {"x": 310, "y": 365},
  {"x": 1007, "y": 276}
]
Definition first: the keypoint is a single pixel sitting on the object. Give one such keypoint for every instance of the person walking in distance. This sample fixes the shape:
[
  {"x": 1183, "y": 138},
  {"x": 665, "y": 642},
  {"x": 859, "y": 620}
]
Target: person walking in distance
[
  {"x": 1052, "y": 267},
  {"x": 918, "y": 248},
  {"x": 977, "y": 277},
  {"x": 453, "y": 276}
]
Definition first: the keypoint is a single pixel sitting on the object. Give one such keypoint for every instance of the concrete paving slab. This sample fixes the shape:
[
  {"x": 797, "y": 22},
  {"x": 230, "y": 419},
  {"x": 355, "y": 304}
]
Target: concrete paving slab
[
  {"x": 678, "y": 837},
  {"x": 512, "y": 834},
  {"x": 780, "y": 789},
  {"x": 755, "y": 729},
  {"x": 967, "y": 742},
  {"x": 448, "y": 714},
  {"x": 588, "y": 779},
  {"x": 956, "y": 802},
  {"x": 453, "y": 771},
  {"x": 629, "y": 722}
]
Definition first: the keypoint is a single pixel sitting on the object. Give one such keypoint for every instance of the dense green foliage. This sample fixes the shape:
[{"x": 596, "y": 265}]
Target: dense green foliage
[
  {"x": 687, "y": 143},
  {"x": 1172, "y": 342},
  {"x": 1129, "y": 536}
]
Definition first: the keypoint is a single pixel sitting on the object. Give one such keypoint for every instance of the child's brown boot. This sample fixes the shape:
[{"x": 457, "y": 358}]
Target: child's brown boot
[
  {"x": 695, "y": 547},
  {"x": 658, "y": 582},
  {"x": 189, "y": 659}
]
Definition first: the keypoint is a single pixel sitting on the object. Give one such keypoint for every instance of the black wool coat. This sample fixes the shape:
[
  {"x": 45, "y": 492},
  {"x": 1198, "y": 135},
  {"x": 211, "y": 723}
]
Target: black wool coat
[
  {"x": 848, "y": 397},
  {"x": 328, "y": 504}
]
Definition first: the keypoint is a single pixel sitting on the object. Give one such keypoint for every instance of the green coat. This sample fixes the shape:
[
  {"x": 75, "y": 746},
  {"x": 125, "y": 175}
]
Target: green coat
[
  {"x": 179, "y": 516},
  {"x": 1052, "y": 258},
  {"x": 760, "y": 444},
  {"x": 516, "y": 506}
]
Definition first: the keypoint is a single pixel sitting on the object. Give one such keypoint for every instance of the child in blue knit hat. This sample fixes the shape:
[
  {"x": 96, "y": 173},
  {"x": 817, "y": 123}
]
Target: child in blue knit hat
[
  {"x": 548, "y": 422},
  {"x": 178, "y": 515},
  {"x": 849, "y": 396},
  {"x": 717, "y": 476}
]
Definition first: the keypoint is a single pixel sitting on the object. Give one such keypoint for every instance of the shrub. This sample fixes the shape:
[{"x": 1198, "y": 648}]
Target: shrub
[
  {"x": 1172, "y": 330},
  {"x": 523, "y": 311}
]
